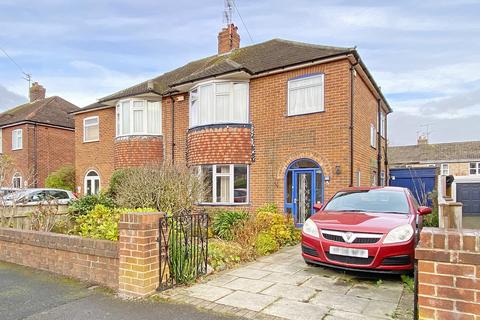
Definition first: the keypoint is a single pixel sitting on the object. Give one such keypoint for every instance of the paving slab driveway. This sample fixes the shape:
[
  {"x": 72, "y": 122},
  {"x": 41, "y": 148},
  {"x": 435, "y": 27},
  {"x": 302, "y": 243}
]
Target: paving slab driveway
[
  {"x": 29, "y": 294},
  {"x": 283, "y": 286}
]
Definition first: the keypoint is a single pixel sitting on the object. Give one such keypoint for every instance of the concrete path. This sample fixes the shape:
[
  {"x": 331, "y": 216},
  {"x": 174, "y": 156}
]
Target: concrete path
[
  {"x": 283, "y": 286},
  {"x": 29, "y": 294}
]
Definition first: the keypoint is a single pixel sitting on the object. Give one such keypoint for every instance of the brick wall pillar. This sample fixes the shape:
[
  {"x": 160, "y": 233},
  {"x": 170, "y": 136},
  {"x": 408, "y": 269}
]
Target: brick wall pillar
[
  {"x": 138, "y": 254},
  {"x": 449, "y": 274}
]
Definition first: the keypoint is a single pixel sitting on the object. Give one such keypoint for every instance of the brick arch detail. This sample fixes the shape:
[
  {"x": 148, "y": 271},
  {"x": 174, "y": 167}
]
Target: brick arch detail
[{"x": 312, "y": 155}]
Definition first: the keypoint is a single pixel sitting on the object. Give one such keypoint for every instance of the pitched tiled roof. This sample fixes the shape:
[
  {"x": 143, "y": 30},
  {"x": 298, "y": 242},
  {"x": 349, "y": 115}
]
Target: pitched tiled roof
[
  {"x": 53, "y": 110},
  {"x": 431, "y": 153},
  {"x": 258, "y": 58}
]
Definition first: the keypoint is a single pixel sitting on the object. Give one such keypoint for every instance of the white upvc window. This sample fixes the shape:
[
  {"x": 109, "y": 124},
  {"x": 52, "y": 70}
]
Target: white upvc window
[
  {"x": 383, "y": 182},
  {"x": 306, "y": 94},
  {"x": 17, "y": 139},
  {"x": 224, "y": 184},
  {"x": 373, "y": 136},
  {"x": 138, "y": 117},
  {"x": 91, "y": 129},
  {"x": 444, "y": 170},
  {"x": 383, "y": 121},
  {"x": 17, "y": 181},
  {"x": 474, "y": 168},
  {"x": 219, "y": 102},
  {"x": 1, "y": 140}
]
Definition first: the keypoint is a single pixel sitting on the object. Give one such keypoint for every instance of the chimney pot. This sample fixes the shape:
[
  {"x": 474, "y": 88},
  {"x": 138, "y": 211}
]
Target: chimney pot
[
  {"x": 228, "y": 39},
  {"x": 37, "y": 92},
  {"x": 422, "y": 140}
]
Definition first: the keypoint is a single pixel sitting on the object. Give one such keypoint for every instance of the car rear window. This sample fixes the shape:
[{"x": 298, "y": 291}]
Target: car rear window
[{"x": 369, "y": 201}]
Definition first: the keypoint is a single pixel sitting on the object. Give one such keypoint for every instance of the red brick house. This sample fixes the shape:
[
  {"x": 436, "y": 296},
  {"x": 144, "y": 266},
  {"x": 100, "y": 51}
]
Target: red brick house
[
  {"x": 279, "y": 121},
  {"x": 38, "y": 137}
]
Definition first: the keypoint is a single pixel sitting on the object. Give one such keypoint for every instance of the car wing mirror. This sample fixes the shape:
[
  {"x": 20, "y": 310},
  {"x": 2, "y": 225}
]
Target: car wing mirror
[
  {"x": 317, "y": 206},
  {"x": 424, "y": 210}
]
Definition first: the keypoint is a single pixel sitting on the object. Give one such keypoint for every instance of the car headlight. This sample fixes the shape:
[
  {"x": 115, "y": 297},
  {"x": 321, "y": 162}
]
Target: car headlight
[
  {"x": 310, "y": 228},
  {"x": 399, "y": 234}
]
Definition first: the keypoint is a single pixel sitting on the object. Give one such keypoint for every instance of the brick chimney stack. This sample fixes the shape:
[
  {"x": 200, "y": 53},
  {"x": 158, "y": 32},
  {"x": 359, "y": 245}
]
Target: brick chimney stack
[
  {"x": 228, "y": 39},
  {"x": 422, "y": 140},
  {"x": 37, "y": 92}
]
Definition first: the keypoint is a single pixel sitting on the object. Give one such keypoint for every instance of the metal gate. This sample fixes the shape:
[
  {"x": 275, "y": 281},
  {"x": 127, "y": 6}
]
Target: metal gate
[{"x": 183, "y": 245}]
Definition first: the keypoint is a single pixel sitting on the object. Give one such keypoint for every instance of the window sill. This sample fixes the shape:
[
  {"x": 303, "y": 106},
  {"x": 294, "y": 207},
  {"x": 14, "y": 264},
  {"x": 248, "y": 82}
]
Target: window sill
[
  {"x": 138, "y": 135},
  {"x": 17, "y": 149},
  {"x": 288, "y": 115},
  {"x": 219, "y": 125},
  {"x": 90, "y": 141},
  {"x": 235, "y": 204}
]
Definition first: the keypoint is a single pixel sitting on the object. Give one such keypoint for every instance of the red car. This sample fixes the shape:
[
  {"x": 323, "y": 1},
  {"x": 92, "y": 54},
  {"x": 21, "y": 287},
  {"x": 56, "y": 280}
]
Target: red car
[{"x": 369, "y": 229}]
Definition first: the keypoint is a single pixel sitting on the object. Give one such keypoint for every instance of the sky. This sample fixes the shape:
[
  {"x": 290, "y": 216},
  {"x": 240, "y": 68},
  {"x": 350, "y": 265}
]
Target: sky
[{"x": 425, "y": 54}]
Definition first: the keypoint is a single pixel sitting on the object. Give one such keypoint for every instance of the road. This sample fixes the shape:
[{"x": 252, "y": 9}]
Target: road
[{"x": 30, "y": 294}]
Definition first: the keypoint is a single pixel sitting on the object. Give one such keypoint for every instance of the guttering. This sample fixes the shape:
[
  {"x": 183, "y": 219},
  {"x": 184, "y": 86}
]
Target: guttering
[
  {"x": 352, "y": 101},
  {"x": 13, "y": 124}
]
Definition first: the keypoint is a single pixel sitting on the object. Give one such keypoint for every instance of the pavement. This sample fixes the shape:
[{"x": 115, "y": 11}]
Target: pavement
[
  {"x": 282, "y": 286},
  {"x": 471, "y": 222},
  {"x": 30, "y": 294}
]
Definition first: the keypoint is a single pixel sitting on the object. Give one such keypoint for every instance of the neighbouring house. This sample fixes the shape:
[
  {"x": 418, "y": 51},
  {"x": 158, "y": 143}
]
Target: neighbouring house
[
  {"x": 38, "y": 137},
  {"x": 459, "y": 159},
  {"x": 278, "y": 122}
]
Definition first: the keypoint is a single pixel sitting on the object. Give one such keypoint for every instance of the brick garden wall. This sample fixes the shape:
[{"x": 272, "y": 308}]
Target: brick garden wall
[
  {"x": 89, "y": 260},
  {"x": 449, "y": 274}
]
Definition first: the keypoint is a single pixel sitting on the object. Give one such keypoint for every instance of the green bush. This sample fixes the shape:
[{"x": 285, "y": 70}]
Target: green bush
[
  {"x": 223, "y": 254},
  {"x": 225, "y": 221},
  {"x": 86, "y": 204},
  {"x": 63, "y": 178},
  {"x": 265, "y": 244},
  {"x": 277, "y": 224},
  {"x": 102, "y": 222},
  {"x": 116, "y": 179}
]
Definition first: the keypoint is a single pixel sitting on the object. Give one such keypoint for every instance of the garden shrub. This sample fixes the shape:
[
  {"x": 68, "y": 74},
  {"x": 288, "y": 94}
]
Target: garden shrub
[
  {"x": 63, "y": 178},
  {"x": 279, "y": 225},
  {"x": 225, "y": 221},
  {"x": 86, "y": 204},
  {"x": 266, "y": 244},
  {"x": 223, "y": 254}
]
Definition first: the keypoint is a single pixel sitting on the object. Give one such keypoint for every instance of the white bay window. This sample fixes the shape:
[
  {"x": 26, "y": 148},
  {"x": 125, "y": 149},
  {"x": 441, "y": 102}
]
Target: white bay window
[
  {"x": 139, "y": 117},
  {"x": 219, "y": 102},
  {"x": 224, "y": 183}
]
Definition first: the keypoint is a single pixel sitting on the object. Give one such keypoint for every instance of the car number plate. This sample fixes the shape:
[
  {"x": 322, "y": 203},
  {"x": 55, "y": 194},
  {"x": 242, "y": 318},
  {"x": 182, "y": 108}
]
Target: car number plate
[{"x": 349, "y": 252}]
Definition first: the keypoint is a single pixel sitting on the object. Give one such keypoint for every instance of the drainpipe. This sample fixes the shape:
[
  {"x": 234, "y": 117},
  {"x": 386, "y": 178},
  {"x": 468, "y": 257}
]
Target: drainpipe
[
  {"x": 352, "y": 93},
  {"x": 379, "y": 141},
  {"x": 35, "y": 156},
  {"x": 387, "y": 174},
  {"x": 173, "y": 129}
]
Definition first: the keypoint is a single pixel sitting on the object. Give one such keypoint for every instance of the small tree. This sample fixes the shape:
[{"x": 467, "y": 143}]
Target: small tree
[
  {"x": 63, "y": 178},
  {"x": 166, "y": 187}
]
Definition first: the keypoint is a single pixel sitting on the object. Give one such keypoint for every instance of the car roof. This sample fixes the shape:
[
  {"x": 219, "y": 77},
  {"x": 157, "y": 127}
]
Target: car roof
[
  {"x": 42, "y": 189},
  {"x": 388, "y": 188}
]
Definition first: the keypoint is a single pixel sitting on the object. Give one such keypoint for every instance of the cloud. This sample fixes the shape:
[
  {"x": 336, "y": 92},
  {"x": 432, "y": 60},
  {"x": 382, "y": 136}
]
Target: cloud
[{"x": 9, "y": 99}]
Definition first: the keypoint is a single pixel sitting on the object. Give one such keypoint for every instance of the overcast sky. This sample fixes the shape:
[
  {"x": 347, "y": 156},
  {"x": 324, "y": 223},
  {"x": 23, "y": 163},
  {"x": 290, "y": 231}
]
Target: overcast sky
[{"x": 424, "y": 54}]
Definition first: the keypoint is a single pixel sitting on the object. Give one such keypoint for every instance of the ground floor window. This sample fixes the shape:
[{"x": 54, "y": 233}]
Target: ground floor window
[
  {"x": 17, "y": 180},
  {"x": 92, "y": 183},
  {"x": 224, "y": 183}
]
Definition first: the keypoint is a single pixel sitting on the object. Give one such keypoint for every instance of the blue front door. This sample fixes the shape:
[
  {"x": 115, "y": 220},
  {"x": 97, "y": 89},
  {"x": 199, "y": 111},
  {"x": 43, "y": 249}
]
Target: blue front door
[{"x": 303, "y": 194}]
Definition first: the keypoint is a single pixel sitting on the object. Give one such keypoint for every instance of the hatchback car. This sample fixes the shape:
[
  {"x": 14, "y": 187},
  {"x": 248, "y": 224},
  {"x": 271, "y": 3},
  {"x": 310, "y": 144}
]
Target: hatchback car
[
  {"x": 370, "y": 229},
  {"x": 36, "y": 196}
]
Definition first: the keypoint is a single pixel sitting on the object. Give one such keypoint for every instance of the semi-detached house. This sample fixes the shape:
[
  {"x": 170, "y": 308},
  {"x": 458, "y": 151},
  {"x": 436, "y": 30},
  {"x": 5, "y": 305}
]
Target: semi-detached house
[{"x": 278, "y": 122}]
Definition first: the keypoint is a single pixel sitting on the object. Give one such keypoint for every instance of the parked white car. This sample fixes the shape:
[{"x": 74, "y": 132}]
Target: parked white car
[
  {"x": 37, "y": 196},
  {"x": 7, "y": 191}
]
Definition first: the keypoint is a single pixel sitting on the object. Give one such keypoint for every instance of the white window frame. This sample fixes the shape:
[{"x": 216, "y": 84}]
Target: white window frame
[
  {"x": 444, "y": 169},
  {"x": 1, "y": 140},
  {"x": 232, "y": 101},
  {"x": 383, "y": 182},
  {"x": 91, "y": 125},
  {"x": 92, "y": 179},
  {"x": 477, "y": 168},
  {"x": 131, "y": 108},
  {"x": 20, "y": 179},
  {"x": 17, "y": 135},
  {"x": 231, "y": 175},
  {"x": 373, "y": 136},
  {"x": 321, "y": 108}
]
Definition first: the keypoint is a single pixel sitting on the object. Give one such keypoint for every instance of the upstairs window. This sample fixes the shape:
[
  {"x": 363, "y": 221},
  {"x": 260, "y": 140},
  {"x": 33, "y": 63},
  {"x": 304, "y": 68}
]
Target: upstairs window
[
  {"x": 373, "y": 136},
  {"x": 17, "y": 139},
  {"x": 1, "y": 141},
  {"x": 139, "y": 117},
  {"x": 383, "y": 121},
  {"x": 306, "y": 95},
  {"x": 91, "y": 131},
  {"x": 219, "y": 102},
  {"x": 444, "y": 169},
  {"x": 474, "y": 168}
]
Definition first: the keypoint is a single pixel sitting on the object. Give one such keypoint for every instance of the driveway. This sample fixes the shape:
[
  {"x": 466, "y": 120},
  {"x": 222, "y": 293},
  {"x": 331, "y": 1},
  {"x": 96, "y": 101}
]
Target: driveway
[
  {"x": 29, "y": 294},
  {"x": 283, "y": 286}
]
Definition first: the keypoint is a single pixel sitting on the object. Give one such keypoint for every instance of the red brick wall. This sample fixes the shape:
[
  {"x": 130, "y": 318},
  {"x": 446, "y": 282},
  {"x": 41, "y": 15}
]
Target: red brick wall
[
  {"x": 180, "y": 128},
  {"x": 134, "y": 151},
  {"x": 54, "y": 149},
  {"x": 449, "y": 274},
  {"x": 85, "y": 259},
  {"x": 219, "y": 145},
  {"x": 99, "y": 155}
]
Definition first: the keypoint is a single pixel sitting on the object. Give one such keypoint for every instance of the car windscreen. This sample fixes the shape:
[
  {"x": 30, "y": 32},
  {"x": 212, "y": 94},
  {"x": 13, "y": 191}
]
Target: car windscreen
[{"x": 369, "y": 201}]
